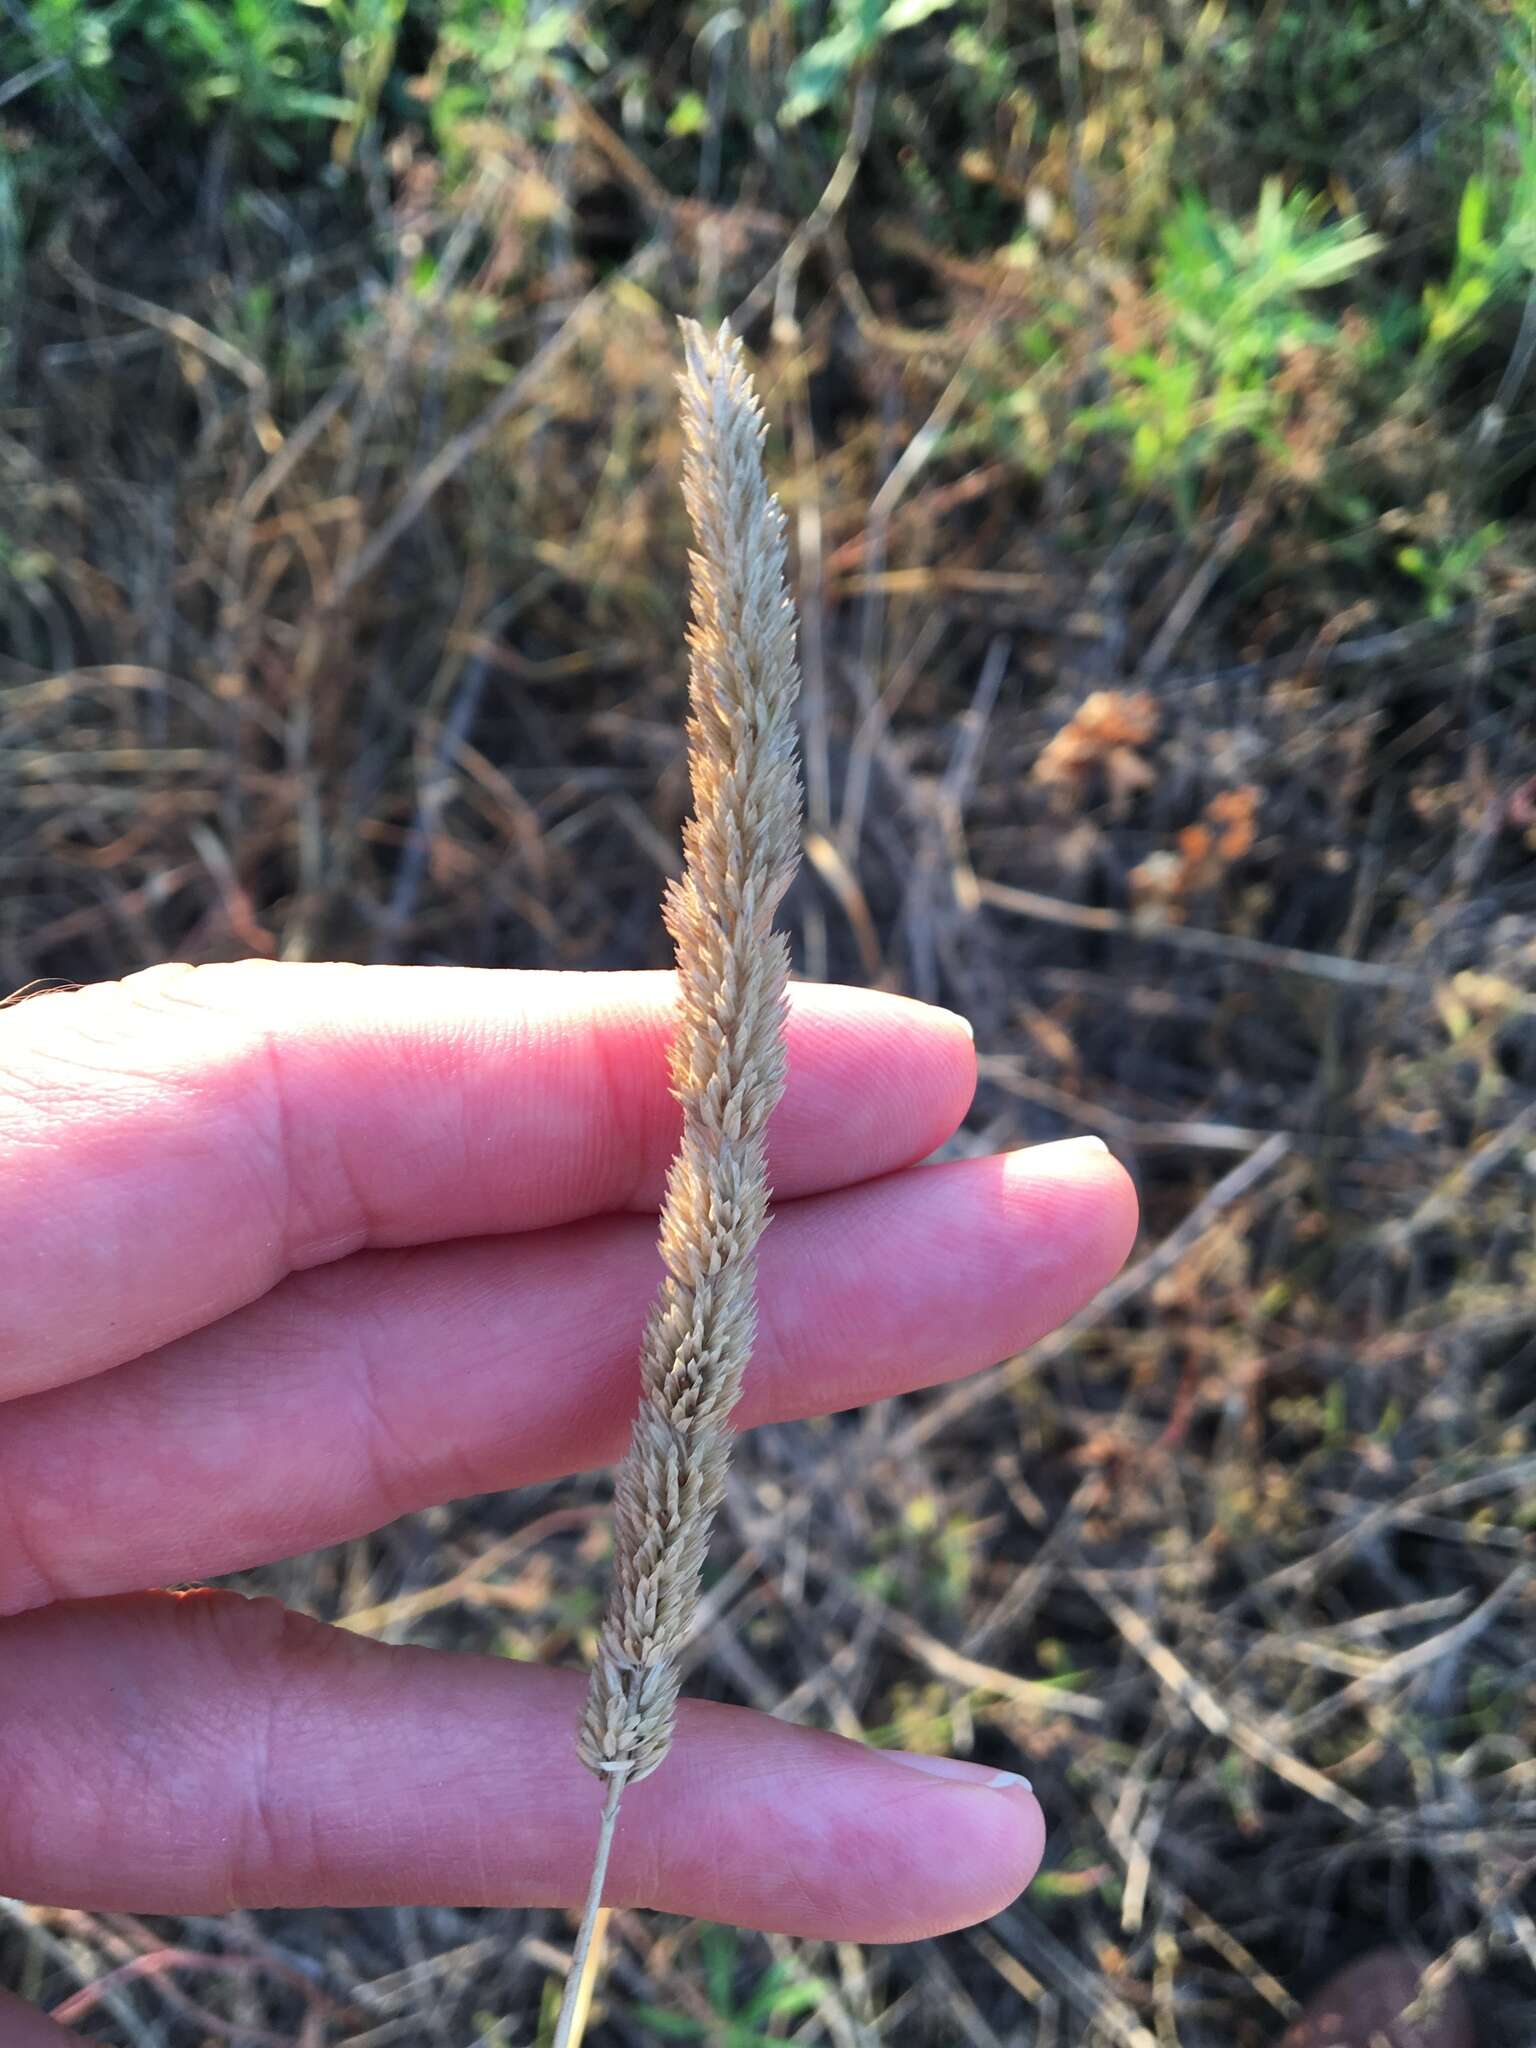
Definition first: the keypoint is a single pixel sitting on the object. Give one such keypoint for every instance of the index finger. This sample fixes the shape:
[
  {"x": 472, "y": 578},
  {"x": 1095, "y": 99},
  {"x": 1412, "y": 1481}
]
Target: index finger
[{"x": 172, "y": 1145}]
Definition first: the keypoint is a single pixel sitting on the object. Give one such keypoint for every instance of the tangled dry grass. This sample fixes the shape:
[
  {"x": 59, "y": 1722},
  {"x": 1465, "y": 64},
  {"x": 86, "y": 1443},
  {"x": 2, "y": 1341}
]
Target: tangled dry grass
[{"x": 343, "y": 621}]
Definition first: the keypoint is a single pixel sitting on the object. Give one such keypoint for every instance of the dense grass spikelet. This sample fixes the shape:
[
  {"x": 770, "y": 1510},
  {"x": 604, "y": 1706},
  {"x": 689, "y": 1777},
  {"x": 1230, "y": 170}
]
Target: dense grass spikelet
[{"x": 742, "y": 844}]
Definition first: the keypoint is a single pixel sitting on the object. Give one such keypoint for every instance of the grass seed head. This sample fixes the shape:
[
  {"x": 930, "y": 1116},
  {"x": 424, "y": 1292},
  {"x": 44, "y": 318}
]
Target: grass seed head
[{"x": 742, "y": 844}]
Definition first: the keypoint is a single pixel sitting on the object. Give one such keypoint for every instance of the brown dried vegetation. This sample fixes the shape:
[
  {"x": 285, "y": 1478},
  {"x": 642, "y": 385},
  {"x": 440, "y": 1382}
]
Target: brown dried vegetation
[{"x": 1240, "y": 1567}]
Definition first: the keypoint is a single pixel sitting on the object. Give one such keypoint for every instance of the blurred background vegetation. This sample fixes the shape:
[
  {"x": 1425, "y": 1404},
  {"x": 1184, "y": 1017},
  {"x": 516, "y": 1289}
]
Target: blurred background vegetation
[{"x": 1152, "y": 401}]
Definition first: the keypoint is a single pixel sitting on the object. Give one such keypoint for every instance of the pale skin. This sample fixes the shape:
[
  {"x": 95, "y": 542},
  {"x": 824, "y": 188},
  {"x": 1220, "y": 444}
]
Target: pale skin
[{"x": 289, "y": 1251}]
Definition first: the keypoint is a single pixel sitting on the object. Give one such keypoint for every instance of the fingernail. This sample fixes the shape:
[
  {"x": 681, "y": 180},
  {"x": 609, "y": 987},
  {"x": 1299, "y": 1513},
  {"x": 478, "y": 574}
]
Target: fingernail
[
  {"x": 965, "y": 1024},
  {"x": 982, "y": 1776},
  {"x": 1037, "y": 1153}
]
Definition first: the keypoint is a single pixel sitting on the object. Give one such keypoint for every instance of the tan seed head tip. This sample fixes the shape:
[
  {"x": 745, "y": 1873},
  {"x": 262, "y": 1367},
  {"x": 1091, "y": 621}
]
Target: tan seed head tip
[{"x": 715, "y": 366}]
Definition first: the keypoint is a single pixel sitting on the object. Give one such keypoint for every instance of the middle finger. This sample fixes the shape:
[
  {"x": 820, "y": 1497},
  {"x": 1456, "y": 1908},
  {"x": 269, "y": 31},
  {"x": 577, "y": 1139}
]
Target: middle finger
[{"x": 394, "y": 1380}]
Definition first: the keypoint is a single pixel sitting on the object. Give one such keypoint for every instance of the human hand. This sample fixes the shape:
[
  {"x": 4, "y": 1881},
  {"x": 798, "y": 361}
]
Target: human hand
[{"x": 289, "y": 1251}]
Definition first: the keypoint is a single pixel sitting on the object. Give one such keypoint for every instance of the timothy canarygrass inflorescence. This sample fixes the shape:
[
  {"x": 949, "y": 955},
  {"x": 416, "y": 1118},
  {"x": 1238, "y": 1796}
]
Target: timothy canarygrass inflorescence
[{"x": 742, "y": 844}]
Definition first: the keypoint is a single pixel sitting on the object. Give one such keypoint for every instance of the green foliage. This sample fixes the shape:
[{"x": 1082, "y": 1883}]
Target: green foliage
[
  {"x": 1337, "y": 86},
  {"x": 79, "y": 36},
  {"x": 689, "y": 116},
  {"x": 1492, "y": 257},
  {"x": 781, "y": 1993},
  {"x": 264, "y": 60},
  {"x": 367, "y": 59},
  {"x": 494, "y": 56},
  {"x": 1495, "y": 255},
  {"x": 858, "y": 28},
  {"x": 279, "y": 73},
  {"x": 1450, "y": 570},
  {"x": 270, "y": 68},
  {"x": 1230, "y": 300}
]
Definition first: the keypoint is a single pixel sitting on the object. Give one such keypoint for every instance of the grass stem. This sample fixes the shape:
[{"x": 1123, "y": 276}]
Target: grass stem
[{"x": 586, "y": 1958}]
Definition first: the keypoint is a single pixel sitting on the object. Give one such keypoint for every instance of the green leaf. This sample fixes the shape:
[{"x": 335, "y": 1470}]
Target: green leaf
[
  {"x": 672, "y": 2026},
  {"x": 689, "y": 117},
  {"x": 719, "y": 1951},
  {"x": 204, "y": 27},
  {"x": 817, "y": 74},
  {"x": 1472, "y": 220},
  {"x": 908, "y": 13},
  {"x": 782, "y": 1996},
  {"x": 318, "y": 106}
]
